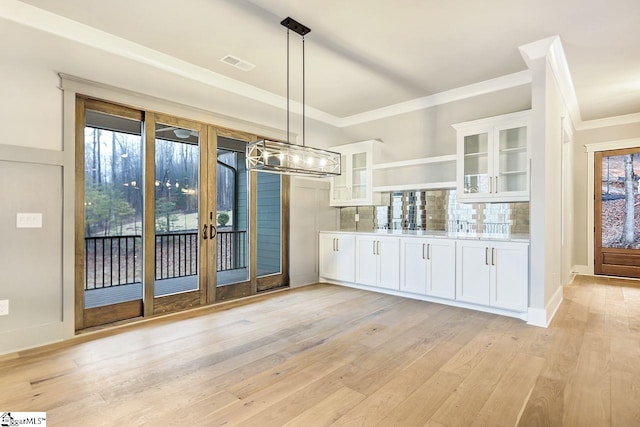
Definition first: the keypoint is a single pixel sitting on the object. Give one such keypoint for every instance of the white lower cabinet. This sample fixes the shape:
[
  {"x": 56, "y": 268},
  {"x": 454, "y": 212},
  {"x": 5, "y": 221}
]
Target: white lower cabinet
[
  {"x": 493, "y": 273},
  {"x": 378, "y": 261},
  {"x": 428, "y": 267},
  {"x": 337, "y": 257},
  {"x": 486, "y": 273}
]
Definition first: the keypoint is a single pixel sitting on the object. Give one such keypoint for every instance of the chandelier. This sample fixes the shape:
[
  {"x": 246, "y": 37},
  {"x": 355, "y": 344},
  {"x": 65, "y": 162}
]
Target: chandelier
[{"x": 281, "y": 157}]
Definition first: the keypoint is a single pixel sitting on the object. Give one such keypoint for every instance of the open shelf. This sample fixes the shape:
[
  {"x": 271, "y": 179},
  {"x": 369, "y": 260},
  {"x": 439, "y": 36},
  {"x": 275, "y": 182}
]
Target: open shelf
[
  {"x": 416, "y": 162},
  {"x": 513, "y": 150},
  {"x": 420, "y": 186}
]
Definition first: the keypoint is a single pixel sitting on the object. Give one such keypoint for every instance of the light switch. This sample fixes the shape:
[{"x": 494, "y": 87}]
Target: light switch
[
  {"x": 29, "y": 220},
  {"x": 4, "y": 307}
]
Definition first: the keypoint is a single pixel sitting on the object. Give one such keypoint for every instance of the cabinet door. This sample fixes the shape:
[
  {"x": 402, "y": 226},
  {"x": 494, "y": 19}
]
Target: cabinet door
[
  {"x": 328, "y": 256},
  {"x": 340, "y": 191},
  {"x": 388, "y": 250},
  {"x": 413, "y": 270},
  {"x": 512, "y": 161},
  {"x": 510, "y": 275},
  {"x": 345, "y": 245},
  {"x": 473, "y": 272},
  {"x": 441, "y": 268},
  {"x": 360, "y": 170},
  {"x": 366, "y": 260},
  {"x": 475, "y": 174}
]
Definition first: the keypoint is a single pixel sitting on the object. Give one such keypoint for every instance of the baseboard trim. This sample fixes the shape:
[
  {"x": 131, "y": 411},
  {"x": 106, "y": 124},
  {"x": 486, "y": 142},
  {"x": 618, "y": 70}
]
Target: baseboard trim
[
  {"x": 582, "y": 269},
  {"x": 542, "y": 316}
]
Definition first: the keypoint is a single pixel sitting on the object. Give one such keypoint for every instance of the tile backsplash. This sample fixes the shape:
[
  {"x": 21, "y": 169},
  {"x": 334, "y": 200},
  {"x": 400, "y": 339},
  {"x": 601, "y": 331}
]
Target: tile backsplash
[{"x": 437, "y": 210}]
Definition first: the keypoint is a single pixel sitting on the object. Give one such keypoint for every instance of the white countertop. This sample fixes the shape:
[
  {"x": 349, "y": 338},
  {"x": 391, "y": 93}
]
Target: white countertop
[{"x": 441, "y": 234}]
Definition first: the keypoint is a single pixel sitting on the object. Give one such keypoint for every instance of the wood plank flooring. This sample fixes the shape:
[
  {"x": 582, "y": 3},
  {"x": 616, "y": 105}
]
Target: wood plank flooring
[{"x": 327, "y": 355}]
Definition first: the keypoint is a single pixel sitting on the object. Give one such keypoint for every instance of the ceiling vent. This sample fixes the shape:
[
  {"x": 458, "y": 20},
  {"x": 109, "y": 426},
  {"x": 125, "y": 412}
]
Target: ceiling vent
[{"x": 238, "y": 63}]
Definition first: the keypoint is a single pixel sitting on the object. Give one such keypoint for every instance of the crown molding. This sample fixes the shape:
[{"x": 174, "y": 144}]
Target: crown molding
[
  {"x": 39, "y": 19},
  {"x": 551, "y": 50},
  {"x": 610, "y": 121},
  {"x": 504, "y": 82}
]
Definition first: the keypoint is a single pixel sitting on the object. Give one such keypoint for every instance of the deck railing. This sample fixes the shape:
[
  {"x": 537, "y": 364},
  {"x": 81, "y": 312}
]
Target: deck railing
[{"x": 117, "y": 260}]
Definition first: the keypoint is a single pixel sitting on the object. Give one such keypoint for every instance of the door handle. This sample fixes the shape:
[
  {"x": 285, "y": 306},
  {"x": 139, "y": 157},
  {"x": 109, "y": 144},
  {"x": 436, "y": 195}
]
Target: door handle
[
  {"x": 213, "y": 231},
  {"x": 493, "y": 256},
  {"x": 486, "y": 256},
  {"x": 204, "y": 232}
]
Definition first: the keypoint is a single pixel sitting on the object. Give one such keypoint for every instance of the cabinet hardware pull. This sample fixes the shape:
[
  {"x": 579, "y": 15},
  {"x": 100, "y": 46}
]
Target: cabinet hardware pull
[
  {"x": 493, "y": 256},
  {"x": 428, "y": 251},
  {"x": 213, "y": 231},
  {"x": 486, "y": 256},
  {"x": 496, "y": 183},
  {"x": 490, "y": 184},
  {"x": 337, "y": 244},
  {"x": 204, "y": 232},
  {"x": 423, "y": 245},
  {"x": 333, "y": 242},
  {"x": 378, "y": 246}
]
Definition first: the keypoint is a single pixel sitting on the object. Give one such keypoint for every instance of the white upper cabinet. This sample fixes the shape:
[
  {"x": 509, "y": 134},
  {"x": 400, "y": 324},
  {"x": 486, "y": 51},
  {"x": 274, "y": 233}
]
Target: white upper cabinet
[
  {"x": 354, "y": 187},
  {"x": 493, "y": 159}
]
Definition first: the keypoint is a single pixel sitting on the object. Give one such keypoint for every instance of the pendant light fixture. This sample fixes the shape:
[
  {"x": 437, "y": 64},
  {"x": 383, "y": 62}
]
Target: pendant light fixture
[{"x": 282, "y": 157}]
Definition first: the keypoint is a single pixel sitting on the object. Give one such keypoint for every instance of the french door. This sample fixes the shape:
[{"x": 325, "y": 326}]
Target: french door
[
  {"x": 168, "y": 217},
  {"x": 617, "y": 213}
]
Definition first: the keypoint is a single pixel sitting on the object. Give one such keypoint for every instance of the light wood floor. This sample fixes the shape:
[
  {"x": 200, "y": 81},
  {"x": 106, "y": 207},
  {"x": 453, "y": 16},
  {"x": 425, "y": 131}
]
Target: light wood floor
[{"x": 327, "y": 355}]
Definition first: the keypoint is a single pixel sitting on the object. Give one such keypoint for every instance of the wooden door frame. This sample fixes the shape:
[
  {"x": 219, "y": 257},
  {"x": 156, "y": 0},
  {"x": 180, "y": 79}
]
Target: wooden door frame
[
  {"x": 86, "y": 318},
  {"x": 600, "y": 268},
  {"x": 170, "y": 303},
  {"x": 209, "y": 292}
]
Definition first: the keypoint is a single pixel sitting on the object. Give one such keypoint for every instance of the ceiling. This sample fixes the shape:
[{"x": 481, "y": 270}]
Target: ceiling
[{"x": 363, "y": 55}]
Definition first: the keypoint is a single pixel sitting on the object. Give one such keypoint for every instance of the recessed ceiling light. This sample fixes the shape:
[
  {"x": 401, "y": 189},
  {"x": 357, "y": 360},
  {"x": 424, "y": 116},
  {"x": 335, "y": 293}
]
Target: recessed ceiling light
[{"x": 234, "y": 61}]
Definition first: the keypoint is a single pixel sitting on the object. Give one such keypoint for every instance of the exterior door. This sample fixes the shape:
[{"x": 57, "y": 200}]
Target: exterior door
[
  {"x": 180, "y": 225},
  {"x": 109, "y": 213},
  {"x": 143, "y": 228},
  {"x": 166, "y": 220},
  {"x": 617, "y": 213}
]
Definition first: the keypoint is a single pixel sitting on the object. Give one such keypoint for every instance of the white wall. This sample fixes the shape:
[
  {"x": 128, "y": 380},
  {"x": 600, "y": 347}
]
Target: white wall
[
  {"x": 428, "y": 132},
  {"x": 310, "y": 213}
]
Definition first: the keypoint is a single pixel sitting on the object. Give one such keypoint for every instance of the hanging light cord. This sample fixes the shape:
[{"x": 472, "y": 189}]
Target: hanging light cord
[
  {"x": 288, "y": 139},
  {"x": 303, "y": 94}
]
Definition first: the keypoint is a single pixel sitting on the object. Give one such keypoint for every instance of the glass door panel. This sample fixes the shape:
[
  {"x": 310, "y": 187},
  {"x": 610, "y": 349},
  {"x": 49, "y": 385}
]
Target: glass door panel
[
  {"x": 476, "y": 163},
  {"x": 177, "y": 170},
  {"x": 512, "y": 154},
  {"x": 269, "y": 221},
  {"x": 359, "y": 176},
  {"x": 340, "y": 190},
  {"x": 232, "y": 213},
  {"x": 617, "y": 213},
  {"x": 112, "y": 206}
]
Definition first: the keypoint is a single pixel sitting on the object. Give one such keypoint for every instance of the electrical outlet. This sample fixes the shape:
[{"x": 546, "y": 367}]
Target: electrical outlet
[
  {"x": 357, "y": 217},
  {"x": 4, "y": 307}
]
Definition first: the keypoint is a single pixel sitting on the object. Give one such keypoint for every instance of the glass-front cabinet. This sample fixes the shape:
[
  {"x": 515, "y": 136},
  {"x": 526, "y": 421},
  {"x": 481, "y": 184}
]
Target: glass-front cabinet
[
  {"x": 493, "y": 159},
  {"x": 354, "y": 187}
]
